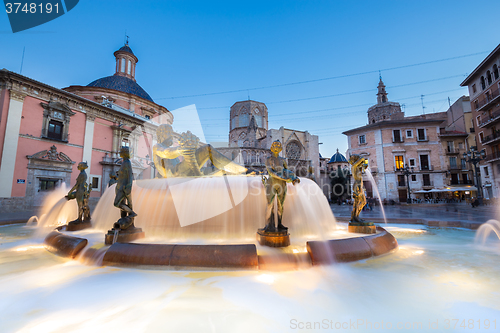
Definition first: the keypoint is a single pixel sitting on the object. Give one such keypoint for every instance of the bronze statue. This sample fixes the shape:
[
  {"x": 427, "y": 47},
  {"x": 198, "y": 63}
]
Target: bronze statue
[
  {"x": 113, "y": 178},
  {"x": 81, "y": 193},
  {"x": 194, "y": 157},
  {"x": 123, "y": 190},
  {"x": 275, "y": 185},
  {"x": 359, "y": 164}
]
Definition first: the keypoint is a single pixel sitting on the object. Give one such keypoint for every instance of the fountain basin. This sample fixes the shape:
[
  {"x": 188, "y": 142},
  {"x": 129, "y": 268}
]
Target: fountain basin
[
  {"x": 64, "y": 245},
  {"x": 351, "y": 249},
  {"x": 234, "y": 256}
]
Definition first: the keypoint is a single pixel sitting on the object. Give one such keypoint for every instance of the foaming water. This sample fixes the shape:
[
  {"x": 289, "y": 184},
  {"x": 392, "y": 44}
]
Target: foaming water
[
  {"x": 374, "y": 186},
  {"x": 486, "y": 231},
  {"x": 222, "y": 209},
  {"x": 435, "y": 275},
  {"x": 56, "y": 210},
  {"x": 33, "y": 221}
]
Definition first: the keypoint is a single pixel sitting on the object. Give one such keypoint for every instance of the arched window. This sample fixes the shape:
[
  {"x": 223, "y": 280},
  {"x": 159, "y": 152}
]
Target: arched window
[
  {"x": 483, "y": 83},
  {"x": 122, "y": 67},
  {"x": 495, "y": 71},
  {"x": 244, "y": 120},
  {"x": 234, "y": 122},
  {"x": 129, "y": 67},
  {"x": 488, "y": 76}
]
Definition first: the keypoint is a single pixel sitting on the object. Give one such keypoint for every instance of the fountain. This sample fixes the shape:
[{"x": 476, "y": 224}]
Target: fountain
[
  {"x": 434, "y": 276},
  {"x": 486, "y": 230},
  {"x": 195, "y": 219}
]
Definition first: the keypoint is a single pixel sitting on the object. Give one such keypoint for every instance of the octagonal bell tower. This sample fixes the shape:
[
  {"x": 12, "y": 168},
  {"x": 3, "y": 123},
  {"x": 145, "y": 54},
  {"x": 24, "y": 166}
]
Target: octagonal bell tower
[{"x": 247, "y": 124}]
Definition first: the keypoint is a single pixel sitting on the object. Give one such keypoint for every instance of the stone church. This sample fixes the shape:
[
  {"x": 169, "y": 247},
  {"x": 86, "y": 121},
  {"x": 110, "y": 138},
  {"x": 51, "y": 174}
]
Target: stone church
[
  {"x": 250, "y": 139},
  {"x": 45, "y": 131}
]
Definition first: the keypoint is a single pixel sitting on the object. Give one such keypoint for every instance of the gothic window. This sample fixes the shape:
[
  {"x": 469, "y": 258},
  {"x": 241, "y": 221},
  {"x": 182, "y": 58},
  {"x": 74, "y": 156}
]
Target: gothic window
[
  {"x": 483, "y": 83},
  {"x": 495, "y": 71},
  {"x": 234, "y": 122},
  {"x": 488, "y": 76},
  {"x": 258, "y": 121},
  {"x": 293, "y": 150},
  {"x": 242, "y": 135},
  {"x": 244, "y": 120},
  {"x": 256, "y": 111},
  {"x": 56, "y": 117}
]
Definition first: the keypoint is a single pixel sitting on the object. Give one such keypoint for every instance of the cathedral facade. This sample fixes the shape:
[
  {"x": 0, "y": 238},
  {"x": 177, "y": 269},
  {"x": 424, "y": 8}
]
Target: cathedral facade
[{"x": 250, "y": 139}]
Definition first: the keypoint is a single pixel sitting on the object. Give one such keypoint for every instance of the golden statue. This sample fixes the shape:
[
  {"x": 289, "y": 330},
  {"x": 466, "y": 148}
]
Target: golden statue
[
  {"x": 81, "y": 193},
  {"x": 275, "y": 184},
  {"x": 359, "y": 164},
  {"x": 194, "y": 157}
]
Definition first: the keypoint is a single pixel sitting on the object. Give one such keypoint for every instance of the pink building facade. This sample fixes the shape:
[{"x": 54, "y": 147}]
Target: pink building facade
[{"x": 46, "y": 131}]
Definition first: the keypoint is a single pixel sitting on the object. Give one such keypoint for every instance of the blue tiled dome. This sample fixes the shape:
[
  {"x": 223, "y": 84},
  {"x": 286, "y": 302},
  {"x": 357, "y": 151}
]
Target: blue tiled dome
[
  {"x": 121, "y": 83},
  {"x": 126, "y": 48},
  {"x": 338, "y": 157}
]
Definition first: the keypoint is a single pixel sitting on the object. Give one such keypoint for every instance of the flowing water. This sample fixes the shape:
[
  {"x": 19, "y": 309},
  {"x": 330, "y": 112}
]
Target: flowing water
[
  {"x": 488, "y": 231},
  {"x": 437, "y": 275},
  {"x": 374, "y": 186},
  {"x": 217, "y": 210}
]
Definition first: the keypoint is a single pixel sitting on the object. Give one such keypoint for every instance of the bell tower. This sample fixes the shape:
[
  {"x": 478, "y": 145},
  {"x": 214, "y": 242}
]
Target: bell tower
[{"x": 125, "y": 62}]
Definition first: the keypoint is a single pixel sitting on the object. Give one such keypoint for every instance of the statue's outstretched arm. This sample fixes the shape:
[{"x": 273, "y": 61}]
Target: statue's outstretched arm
[
  {"x": 220, "y": 161},
  {"x": 169, "y": 153}
]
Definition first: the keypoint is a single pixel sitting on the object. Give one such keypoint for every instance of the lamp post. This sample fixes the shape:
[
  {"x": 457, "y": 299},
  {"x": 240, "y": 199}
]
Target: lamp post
[
  {"x": 473, "y": 156},
  {"x": 151, "y": 164},
  {"x": 407, "y": 171}
]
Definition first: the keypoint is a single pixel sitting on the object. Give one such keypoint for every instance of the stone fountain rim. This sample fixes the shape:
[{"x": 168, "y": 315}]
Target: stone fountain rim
[{"x": 223, "y": 257}]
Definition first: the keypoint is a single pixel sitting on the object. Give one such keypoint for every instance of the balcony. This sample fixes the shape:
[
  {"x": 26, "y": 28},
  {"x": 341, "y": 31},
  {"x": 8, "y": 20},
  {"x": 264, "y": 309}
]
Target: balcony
[
  {"x": 428, "y": 183},
  {"x": 398, "y": 140},
  {"x": 489, "y": 118},
  {"x": 488, "y": 99},
  {"x": 493, "y": 156},
  {"x": 401, "y": 183},
  {"x": 426, "y": 167},
  {"x": 491, "y": 138},
  {"x": 452, "y": 151},
  {"x": 422, "y": 138},
  {"x": 460, "y": 182},
  {"x": 455, "y": 167}
]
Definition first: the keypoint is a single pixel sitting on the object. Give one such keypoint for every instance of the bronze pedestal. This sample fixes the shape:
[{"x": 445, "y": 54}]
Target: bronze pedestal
[
  {"x": 273, "y": 238},
  {"x": 124, "y": 236},
  {"x": 362, "y": 228},
  {"x": 78, "y": 225}
]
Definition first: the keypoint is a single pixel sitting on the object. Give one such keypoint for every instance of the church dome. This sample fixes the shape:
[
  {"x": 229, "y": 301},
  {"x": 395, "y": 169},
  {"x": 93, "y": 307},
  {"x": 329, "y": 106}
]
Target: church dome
[
  {"x": 121, "y": 83},
  {"x": 126, "y": 48},
  {"x": 338, "y": 157}
]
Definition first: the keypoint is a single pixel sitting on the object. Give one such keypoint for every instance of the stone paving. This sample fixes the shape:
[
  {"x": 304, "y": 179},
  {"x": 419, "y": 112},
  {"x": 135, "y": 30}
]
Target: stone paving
[
  {"x": 456, "y": 215},
  {"x": 461, "y": 213}
]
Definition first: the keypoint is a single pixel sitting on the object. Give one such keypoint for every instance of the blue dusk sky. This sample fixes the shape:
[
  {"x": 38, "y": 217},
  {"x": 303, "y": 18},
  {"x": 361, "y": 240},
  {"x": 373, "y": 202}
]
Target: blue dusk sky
[{"x": 314, "y": 63}]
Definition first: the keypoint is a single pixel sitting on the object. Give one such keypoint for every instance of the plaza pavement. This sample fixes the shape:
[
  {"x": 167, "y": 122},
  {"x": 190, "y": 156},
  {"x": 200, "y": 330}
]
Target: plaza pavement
[
  {"x": 456, "y": 215},
  {"x": 445, "y": 215}
]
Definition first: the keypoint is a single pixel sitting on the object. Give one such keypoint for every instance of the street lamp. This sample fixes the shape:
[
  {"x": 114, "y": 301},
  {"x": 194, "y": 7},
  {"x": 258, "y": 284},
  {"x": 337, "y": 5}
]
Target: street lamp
[
  {"x": 473, "y": 156},
  {"x": 407, "y": 171},
  {"x": 151, "y": 164}
]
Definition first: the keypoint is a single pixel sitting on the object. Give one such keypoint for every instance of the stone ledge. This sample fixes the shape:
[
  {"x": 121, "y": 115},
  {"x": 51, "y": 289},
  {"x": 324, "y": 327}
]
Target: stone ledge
[
  {"x": 351, "y": 249},
  {"x": 64, "y": 245},
  {"x": 177, "y": 255}
]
